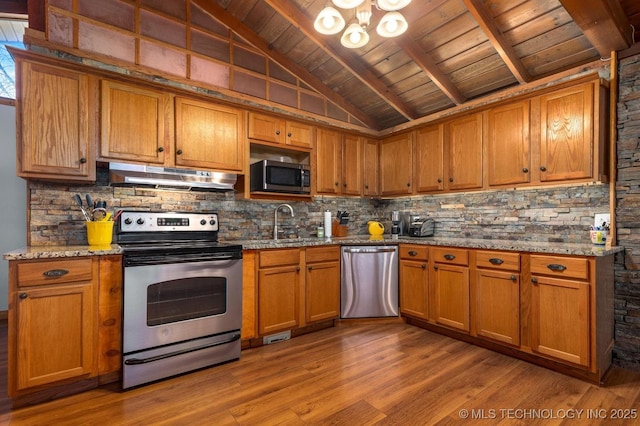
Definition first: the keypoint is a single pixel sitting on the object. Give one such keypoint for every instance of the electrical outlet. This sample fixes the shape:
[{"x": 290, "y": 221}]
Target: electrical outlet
[{"x": 601, "y": 217}]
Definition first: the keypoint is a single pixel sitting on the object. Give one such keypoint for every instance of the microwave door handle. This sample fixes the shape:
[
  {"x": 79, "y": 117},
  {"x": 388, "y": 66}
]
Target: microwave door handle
[{"x": 301, "y": 179}]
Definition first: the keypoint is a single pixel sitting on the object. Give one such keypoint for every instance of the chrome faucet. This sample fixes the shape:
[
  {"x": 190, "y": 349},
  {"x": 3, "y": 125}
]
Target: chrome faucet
[{"x": 275, "y": 218}]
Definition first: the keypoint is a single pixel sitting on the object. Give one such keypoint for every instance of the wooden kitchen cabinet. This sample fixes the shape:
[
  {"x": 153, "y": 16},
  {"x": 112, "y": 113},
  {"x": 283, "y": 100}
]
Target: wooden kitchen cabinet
[
  {"x": 328, "y": 155},
  {"x": 55, "y": 121},
  {"x": 278, "y": 290},
  {"x": 53, "y": 326},
  {"x": 463, "y": 155},
  {"x": 371, "y": 165},
  {"x": 507, "y": 144},
  {"x": 396, "y": 159},
  {"x": 495, "y": 294},
  {"x": 322, "y": 283},
  {"x": 352, "y": 165},
  {"x": 209, "y": 136},
  {"x": 560, "y": 322},
  {"x": 414, "y": 280},
  {"x": 136, "y": 123},
  {"x": 567, "y": 128},
  {"x": 429, "y": 165},
  {"x": 271, "y": 129},
  {"x": 450, "y": 289}
]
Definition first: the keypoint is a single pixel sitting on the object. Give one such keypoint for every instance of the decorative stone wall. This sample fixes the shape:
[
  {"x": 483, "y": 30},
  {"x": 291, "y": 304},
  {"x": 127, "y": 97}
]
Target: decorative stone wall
[
  {"x": 553, "y": 214},
  {"x": 627, "y": 293}
]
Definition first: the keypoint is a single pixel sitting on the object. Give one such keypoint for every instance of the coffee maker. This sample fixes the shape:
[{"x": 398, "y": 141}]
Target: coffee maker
[{"x": 396, "y": 224}]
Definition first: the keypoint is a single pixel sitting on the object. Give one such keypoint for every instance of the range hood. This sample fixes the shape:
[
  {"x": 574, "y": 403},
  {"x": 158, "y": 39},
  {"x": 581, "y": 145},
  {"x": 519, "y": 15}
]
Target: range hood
[{"x": 138, "y": 174}]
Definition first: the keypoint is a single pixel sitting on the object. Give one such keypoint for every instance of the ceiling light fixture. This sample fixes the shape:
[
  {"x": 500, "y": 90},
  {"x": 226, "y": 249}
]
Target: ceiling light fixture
[{"x": 330, "y": 21}]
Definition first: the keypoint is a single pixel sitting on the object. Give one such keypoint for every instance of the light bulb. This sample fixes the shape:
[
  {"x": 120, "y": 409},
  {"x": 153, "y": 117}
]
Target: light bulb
[
  {"x": 328, "y": 21},
  {"x": 391, "y": 26},
  {"x": 354, "y": 37}
]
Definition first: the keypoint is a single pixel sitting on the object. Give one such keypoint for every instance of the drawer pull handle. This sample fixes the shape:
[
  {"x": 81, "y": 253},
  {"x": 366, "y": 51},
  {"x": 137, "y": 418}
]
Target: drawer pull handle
[
  {"x": 55, "y": 273},
  {"x": 413, "y": 253},
  {"x": 556, "y": 267},
  {"x": 496, "y": 261},
  {"x": 449, "y": 256}
]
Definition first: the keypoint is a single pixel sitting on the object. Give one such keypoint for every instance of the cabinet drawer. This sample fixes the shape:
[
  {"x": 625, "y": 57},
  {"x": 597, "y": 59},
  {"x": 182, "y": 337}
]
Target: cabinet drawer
[
  {"x": 279, "y": 257},
  {"x": 450, "y": 255},
  {"x": 45, "y": 272},
  {"x": 414, "y": 252},
  {"x": 498, "y": 260},
  {"x": 570, "y": 267},
  {"x": 323, "y": 254}
]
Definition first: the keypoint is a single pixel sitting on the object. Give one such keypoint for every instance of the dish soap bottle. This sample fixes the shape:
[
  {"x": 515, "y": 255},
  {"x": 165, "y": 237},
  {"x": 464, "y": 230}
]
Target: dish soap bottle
[{"x": 320, "y": 231}]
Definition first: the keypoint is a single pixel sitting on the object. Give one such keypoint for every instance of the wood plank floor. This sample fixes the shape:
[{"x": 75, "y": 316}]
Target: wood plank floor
[{"x": 353, "y": 374}]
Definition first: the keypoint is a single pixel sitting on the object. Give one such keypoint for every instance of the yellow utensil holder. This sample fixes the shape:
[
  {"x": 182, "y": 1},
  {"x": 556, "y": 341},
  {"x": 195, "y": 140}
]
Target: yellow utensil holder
[{"x": 99, "y": 233}]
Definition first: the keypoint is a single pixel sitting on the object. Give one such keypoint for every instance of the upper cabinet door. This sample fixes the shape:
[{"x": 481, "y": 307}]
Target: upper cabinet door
[
  {"x": 352, "y": 165},
  {"x": 209, "y": 136},
  {"x": 135, "y": 123},
  {"x": 508, "y": 145},
  {"x": 54, "y": 124},
  {"x": 371, "y": 165},
  {"x": 465, "y": 152},
  {"x": 328, "y": 161},
  {"x": 429, "y": 166},
  {"x": 266, "y": 128},
  {"x": 300, "y": 134},
  {"x": 396, "y": 156},
  {"x": 566, "y": 134}
]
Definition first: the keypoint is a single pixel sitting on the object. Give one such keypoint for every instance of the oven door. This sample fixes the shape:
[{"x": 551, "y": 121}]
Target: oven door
[{"x": 176, "y": 302}]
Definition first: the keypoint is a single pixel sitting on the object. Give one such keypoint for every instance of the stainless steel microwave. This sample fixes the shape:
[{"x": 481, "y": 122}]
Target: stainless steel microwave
[{"x": 277, "y": 176}]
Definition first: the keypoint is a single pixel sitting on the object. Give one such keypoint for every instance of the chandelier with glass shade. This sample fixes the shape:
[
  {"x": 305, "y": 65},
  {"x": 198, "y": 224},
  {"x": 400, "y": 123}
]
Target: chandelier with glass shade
[{"x": 392, "y": 24}]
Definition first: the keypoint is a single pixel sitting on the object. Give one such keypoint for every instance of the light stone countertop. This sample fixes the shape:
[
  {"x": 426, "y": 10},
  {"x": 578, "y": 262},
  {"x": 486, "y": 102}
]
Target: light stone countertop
[{"x": 44, "y": 252}]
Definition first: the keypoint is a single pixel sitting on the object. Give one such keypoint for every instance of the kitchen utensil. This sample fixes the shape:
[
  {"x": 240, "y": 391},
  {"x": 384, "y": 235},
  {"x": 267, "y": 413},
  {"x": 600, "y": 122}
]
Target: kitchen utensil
[
  {"x": 78, "y": 201},
  {"x": 89, "y": 201},
  {"x": 375, "y": 228}
]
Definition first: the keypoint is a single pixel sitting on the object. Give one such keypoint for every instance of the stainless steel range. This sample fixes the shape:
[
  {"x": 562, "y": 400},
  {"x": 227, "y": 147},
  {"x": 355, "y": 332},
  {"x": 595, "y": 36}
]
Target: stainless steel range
[{"x": 182, "y": 295}]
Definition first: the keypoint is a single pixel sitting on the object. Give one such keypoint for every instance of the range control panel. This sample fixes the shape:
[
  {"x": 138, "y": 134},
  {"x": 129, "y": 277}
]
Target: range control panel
[{"x": 133, "y": 221}]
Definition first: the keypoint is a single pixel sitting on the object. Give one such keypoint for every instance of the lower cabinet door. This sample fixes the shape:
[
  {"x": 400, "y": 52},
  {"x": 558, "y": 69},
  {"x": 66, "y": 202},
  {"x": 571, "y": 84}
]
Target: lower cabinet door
[
  {"x": 322, "y": 291},
  {"x": 278, "y": 299},
  {"x": 413, "y": 288},
  {"x": 451, "y": 304},
  {"x": 56, "y": 334},
  {"x": 497, "y": 306},
  {"x": 560, "y": 319}
]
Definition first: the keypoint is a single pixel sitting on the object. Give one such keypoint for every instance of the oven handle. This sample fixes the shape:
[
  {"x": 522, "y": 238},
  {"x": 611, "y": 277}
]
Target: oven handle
[
  {"x": 138, "y": 361},
  {"x": 158, "y": 260}
]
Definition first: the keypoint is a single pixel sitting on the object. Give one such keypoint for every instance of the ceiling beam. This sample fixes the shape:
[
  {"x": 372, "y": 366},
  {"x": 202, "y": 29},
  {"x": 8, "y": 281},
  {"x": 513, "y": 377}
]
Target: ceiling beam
[
  {"x": 215, "y": 10},
  {"x": 347, "y": 59},
  {"x": 498, "y": 40},
  {"x": 602, "y": 22}
]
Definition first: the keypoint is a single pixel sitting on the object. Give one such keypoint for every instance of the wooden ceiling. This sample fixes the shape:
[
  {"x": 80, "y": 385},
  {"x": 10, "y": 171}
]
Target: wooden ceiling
[{"x": 453, "y": 52}]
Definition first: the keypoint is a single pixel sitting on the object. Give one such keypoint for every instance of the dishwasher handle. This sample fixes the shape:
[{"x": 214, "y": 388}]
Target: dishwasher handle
[{"x": 369, "y": 249}]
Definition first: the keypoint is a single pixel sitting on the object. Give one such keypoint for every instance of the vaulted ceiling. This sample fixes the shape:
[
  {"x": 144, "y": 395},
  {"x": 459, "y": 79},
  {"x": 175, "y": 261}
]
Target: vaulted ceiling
[{"x": 454, "y": 50}]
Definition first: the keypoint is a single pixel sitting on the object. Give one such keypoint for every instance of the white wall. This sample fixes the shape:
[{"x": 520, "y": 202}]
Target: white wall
[{"x": 13, "y": 198}]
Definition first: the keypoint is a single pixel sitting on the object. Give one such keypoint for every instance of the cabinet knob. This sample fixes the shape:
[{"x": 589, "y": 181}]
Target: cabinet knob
[
  {"x": 289, "y": 134},
  {"x": 83, "y": 160},
  {"x": 160, "y": 149},
  {"x": 534, "y": 280},
  {"x": 337, "y": 183},
  {"x": 344, "y": 184},
  {"x": 278, "y": 132},
  {"x": 297, "y": 269},
  {"x": 423, "y": 266},
  {"x": 512, "y": 278},
  {"x": 310, "y": 267},
  {"x": 366, "y": 187},
  {"x": 450, "y": 179},
  {"x": 435, "y": 267},
  {"x": 23, "y": 295},
  {"x": 408, "y": 184},
  {"x": 543, "y": 169},
  {"x": 439, "y": 180},
  {"x": 179, "y": 152},
  {"x": 525, "y": 170}
]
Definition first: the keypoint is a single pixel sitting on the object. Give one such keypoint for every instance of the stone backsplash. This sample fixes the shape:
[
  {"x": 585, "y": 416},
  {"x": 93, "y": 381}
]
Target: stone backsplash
[{"x": 554, "y": 214}]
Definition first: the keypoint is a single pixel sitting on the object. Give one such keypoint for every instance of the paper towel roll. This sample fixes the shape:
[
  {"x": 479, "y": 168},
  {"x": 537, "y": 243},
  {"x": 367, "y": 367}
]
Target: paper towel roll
[{"x": 327, "y": 224}]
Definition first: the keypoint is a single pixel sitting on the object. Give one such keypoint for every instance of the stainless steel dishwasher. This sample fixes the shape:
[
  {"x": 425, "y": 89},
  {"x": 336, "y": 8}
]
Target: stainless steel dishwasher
[{"x": 369, "y": 281}]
